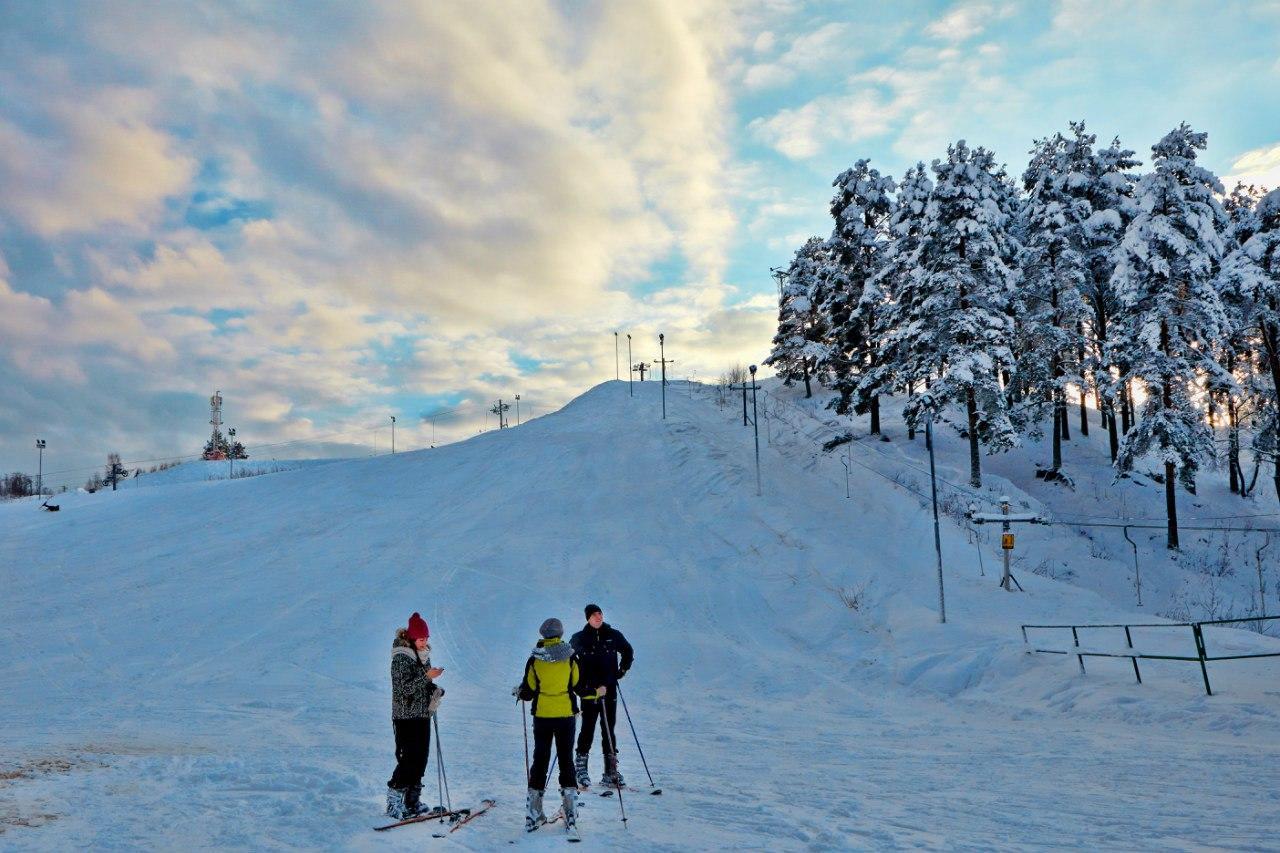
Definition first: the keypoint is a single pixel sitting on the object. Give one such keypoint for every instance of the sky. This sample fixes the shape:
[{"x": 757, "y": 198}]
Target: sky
[{"x": 334, "y": 213}]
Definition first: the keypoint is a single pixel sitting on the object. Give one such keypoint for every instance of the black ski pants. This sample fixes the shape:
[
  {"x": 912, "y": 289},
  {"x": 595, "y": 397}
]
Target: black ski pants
[
  {"x": 590, "y": 712},
  {"x": 545, "y": 731},
  {"x": 413, "y": 746}
]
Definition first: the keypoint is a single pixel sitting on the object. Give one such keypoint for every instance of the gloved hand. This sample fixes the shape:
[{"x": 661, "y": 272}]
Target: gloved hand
[
  {"x": 434, "y": 702},
  {"x": 515, "y": 691}
]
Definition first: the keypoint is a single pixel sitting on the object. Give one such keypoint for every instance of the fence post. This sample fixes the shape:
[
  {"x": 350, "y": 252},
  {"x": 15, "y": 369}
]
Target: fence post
[
  {"x": 1129, "y": 639},
  {"x": 1076, "y": 637},
  {"x": 1198, "y": 632}
]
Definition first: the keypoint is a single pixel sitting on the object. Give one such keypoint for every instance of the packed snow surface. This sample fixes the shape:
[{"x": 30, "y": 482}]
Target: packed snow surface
[{"x": 206, "y": 665}]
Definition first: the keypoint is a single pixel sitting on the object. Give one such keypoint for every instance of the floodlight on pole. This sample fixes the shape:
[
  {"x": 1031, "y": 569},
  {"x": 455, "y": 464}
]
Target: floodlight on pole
[
  {"x": 393, "y": 434},
  {"x": 631, "y": 371},
  {"x": 40, "y": 446},
  {"x": 662, "y": 346},
  {"x": 755, "y": 421},
  {"x": 518, "y": 403}
]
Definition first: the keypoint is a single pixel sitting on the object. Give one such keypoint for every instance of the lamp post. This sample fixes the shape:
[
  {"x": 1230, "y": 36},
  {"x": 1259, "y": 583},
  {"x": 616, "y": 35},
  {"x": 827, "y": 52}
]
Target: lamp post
[
  {"x": 616, "y": 374},
  {"x": 631, "y": 374},
  {"x": 755, "y": 421},
  {"x": 40, "y": 445},
  {"x": 662, "y": 346},
  {"x": 518, "y": 396},
  {"x": 937, "y": 535},
  {"x": 393, "y": 435}
]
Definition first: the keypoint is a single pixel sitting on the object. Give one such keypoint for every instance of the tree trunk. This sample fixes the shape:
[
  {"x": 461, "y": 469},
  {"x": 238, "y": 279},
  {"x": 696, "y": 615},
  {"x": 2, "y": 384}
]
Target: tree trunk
[
  {"x": 911, "y": 427},
  {"x": 1084, "y": 385},
  {"x": 1113, "y": 434},
  {"x": 1126, "y": 408},
  {"x": 1233, "y": 446},
  {"x": 975, "y": 460},
  {"x": 808, "y": 389},
  {"x": 1271, "y": 343},
  {"x": 875, "y": 415},
  {"x": 1170, "y": 480},
  {"x": 1058, "y": 413}
]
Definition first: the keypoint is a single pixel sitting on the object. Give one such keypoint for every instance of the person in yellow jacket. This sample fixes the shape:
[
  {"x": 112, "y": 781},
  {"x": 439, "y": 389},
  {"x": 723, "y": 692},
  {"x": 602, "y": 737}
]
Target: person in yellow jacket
[{"x": 552, "y": 686}]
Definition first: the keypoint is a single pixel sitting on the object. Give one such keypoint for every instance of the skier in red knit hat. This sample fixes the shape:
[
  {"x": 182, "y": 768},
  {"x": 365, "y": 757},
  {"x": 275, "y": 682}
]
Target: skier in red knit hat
[{"x": 414, "y": 698}]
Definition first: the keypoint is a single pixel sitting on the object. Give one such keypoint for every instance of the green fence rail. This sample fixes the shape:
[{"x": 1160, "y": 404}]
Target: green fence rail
[{"x": 1202, "y": 656}]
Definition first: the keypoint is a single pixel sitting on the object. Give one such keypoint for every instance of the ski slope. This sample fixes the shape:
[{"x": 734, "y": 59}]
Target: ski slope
[{"x": 205, "y": 665}]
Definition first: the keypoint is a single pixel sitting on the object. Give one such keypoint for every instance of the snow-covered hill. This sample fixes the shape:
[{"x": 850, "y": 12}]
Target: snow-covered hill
[{"x": 205, "y": 665}]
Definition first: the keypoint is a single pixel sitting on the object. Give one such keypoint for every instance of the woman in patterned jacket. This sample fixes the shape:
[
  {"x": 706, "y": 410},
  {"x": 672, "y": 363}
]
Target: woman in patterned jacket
[{"x": 414, "y": 698}]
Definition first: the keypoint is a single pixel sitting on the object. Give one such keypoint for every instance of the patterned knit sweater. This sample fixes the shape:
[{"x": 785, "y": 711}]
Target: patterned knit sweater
[{"x": 411, "y": 687}]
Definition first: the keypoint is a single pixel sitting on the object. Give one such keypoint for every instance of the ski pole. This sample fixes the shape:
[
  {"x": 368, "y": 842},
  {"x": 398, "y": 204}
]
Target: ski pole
[
  {"x": 613, "y": 748},
  {"x": 439, "y": 778},
  {"x": 550, "y": 770},
  {"x": 444, "y": 774},
  {"x": 618, "y": 687},
  {"x": 524, "y": 725}
]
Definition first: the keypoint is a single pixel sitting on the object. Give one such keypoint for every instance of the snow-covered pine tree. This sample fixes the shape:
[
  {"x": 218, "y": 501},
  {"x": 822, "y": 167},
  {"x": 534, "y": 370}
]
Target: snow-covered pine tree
[
  {"x": 1169, "y": 313},
  {"x": 802, "y": 341},
  {"x": 1109, "y": 185},
  {"x": 953, "y": 326},
  {"x": 1251, "y": 286},
  {"x": 1253, "y": 392},
  {"x": 891, "y": 289},
  {"x": 1051, "y": 308},
  {"x": 862, "y": 202}
]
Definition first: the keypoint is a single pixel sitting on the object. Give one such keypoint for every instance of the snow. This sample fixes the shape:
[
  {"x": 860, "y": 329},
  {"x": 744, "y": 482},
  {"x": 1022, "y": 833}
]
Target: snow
[
  {"x": 201, "y": 471},
  {"x": 206, "y": 664}
]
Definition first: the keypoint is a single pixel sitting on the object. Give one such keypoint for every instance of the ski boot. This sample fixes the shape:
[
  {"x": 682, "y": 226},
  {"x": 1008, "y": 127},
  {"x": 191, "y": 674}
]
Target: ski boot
[
  {"x": 395, "y": 804},
  {"x": 612, "y": 777},
  {"x": 569, "y": 802},
  {"x": 533, "y": 815},
  {"x": 580, "y": 769}
]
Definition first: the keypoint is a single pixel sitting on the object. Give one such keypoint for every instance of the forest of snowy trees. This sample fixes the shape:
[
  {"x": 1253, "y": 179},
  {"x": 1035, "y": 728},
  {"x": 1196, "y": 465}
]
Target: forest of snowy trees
[{"x": 1003, "y": 306}]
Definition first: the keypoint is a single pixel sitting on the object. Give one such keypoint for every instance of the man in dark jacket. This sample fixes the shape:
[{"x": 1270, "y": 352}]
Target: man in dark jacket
[{"x": 599, "y": 647}]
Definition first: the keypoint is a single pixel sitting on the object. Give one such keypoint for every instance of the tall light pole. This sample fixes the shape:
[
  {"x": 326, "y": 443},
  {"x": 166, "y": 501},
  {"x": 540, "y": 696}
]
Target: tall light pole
[
  {"x": 662, "y": 346},
  {"x": 937, "y": 535},
  {"x": 631, "y": 373},
  {"x": 518, "y": 396},
  {"x": 755, "y": 421},
  {"x": 616, "y": 374},
  {"x": 40, "y": 445},
  {"x": 393, "y": 434},
  {"x": 780, "y": 275}
]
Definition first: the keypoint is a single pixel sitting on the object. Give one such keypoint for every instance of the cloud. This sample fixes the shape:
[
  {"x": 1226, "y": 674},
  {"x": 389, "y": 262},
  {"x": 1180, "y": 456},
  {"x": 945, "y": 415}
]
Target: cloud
[
  {"x": 93, "y": 164},
  {"x": 1260, "y": 167},
  {"x": 453, "y": 187},
  {"x": 808, "y": 52}
]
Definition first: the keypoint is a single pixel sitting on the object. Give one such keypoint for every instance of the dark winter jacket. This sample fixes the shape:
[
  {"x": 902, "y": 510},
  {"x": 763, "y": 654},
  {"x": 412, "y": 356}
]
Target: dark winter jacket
[
  {"x": 551, "y": 681},
  {"x": 411, "y": 688},
  {"x": 598, "y": 650}
]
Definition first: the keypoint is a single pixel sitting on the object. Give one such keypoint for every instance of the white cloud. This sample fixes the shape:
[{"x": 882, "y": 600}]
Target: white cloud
[
  {"x": 808, "y": 52},
  {"x": 1260, "y": 167}
]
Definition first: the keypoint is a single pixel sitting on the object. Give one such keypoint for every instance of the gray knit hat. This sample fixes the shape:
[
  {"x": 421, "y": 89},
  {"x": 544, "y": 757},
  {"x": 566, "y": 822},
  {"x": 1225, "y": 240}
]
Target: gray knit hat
[{"x": 551, "y": 628}]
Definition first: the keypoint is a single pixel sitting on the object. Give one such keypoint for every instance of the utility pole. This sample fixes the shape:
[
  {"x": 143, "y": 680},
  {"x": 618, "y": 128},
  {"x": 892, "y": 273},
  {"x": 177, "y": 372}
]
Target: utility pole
[
  {"x": 1006, "y": 520},
  {"x": 231, "y": 453},
  {"x": 393, "y": 435},
  {"x": 755, "y": 418},
  {"x": 780, "y": 275},
  {"x": 937, "y": 534},
  {"x": 641, "y": 368},
  {"x": 631, "y": 379},
  {"x": 498, "y": 409},
  {"x": 616, "y": 374},
  {"x": 40, "y": 445},
  {"x": 518, "y": 397}
]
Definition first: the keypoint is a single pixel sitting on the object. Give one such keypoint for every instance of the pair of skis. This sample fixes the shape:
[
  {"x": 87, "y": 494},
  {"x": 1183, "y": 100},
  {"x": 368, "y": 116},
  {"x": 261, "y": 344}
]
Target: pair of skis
[{"x": 457, "y": 818}]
